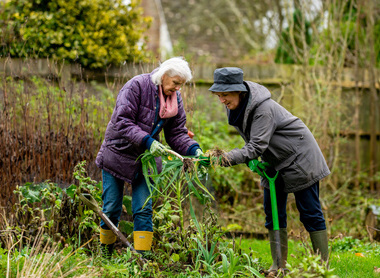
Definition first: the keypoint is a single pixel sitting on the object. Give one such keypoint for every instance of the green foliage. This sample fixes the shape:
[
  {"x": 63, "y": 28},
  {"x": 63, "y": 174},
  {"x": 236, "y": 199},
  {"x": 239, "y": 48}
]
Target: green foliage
[
  {"x": 346, "y": 244},
  {"x": 354, "y": 23},
  {"x": 177, "y": 181},
  {"x": 122, "y": 265},
  {"x": 95, "y": 33},
  {"x": 3, "y": 260},
  {"x": 58, "y": 211},
  {"x": 201, "y": 242},
  {"x": 354, "y": 245},
  {"x": 215, "y": 132},
  {"x": 310, "y": 266},
  {"x": 343, "y": 259},
  {"x": 86, "y": 219},
  {"x": 294, "y": 41},
  {"x": 207, "y": 255},
  {"x": 125, "y": 226},
  {"x": 44, "y": 258},
  {"x": 336, "y": 33}
]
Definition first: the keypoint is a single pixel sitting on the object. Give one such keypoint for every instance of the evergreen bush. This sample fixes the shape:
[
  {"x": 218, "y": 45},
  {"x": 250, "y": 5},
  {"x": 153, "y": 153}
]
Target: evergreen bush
[{"x": 93, "y": 33}]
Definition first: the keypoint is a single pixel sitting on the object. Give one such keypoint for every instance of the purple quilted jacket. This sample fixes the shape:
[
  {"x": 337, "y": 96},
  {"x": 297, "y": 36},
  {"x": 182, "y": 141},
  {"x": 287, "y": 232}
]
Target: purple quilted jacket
[{"x": 133, "y": 119}]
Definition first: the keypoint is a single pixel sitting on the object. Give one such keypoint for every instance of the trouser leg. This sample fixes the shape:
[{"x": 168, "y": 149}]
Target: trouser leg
[
  {"x": 311, "y": 216},
  {"x": 142, "y": 214},
  {"x": 282, "y": 198},
  {"x": 112, "y": 205}
]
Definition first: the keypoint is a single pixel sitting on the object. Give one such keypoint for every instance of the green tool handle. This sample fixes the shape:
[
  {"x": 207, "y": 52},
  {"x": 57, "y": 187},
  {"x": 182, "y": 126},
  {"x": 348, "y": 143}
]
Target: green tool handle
[
  {"x": 273, "y": 200},
  {"x": 276, "y": 226}
]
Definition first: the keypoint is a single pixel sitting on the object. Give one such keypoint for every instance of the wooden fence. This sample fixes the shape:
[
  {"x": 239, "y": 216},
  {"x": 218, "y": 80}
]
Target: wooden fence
[{"x": 276, "y": 77}]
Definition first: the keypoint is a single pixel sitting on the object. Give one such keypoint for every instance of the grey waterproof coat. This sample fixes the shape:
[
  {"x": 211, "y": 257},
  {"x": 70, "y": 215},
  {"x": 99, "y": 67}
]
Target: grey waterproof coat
[
  {"x": 279, "y": 138},
  {"x": 132, "y": 119}
]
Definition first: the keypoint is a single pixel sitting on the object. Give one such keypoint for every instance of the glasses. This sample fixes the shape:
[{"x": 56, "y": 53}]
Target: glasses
[{"x": 178, "y": 84}]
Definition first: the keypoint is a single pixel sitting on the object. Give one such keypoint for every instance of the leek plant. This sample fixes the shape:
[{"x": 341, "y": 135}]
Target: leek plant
[{"x": 178, "y": 180}]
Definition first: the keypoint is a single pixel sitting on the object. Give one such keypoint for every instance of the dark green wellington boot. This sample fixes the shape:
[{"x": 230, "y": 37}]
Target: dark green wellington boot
[
  {"x": 284, "y": 249},
  {"x": 320, "y": 243}
]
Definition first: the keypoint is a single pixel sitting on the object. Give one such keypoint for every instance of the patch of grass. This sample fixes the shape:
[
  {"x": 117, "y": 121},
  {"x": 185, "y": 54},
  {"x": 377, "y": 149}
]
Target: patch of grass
[
  {"x": 261, "y": 250},
  {"x": 349, "y": 265},
  {"x": 350, "y": 258}
]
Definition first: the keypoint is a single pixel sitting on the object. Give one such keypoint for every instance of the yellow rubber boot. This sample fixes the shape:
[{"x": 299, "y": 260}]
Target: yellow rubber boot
[
  {"x": 107, "y": 240},
  {"x": 142, "y": 240}
]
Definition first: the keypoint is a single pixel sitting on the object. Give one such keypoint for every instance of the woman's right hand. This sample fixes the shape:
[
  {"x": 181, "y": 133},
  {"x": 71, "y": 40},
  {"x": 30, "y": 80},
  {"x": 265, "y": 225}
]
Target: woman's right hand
[{"x": 157, "y": 149}]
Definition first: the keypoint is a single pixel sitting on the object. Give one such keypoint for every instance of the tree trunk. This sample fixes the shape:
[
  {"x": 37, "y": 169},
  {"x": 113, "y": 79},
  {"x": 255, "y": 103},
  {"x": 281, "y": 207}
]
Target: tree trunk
[{"x": 373, "y": 103}]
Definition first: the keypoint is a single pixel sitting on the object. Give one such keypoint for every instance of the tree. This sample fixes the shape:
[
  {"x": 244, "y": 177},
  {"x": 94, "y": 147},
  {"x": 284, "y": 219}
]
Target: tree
[
  {"x": 223, "y": 30},
  {"x": 294, "y": 40},
  {"x": 94, "y": 33}
]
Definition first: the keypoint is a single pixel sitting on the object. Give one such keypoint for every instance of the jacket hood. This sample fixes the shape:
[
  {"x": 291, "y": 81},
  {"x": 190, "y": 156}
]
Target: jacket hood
[{"x": 258, "y": 94}]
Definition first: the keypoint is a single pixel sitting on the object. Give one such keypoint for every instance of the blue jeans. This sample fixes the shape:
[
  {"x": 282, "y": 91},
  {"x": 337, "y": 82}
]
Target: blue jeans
[
  {"x": 307, "y": 202},
  {"x": 113, "y": 200}
]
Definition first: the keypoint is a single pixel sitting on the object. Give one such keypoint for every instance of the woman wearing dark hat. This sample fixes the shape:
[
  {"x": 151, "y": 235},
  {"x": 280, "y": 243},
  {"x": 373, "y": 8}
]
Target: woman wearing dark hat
[{"x": 285, "y": 143}]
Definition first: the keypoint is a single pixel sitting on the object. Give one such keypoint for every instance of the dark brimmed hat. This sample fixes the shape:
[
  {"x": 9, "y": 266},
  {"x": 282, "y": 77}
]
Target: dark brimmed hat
[{"x": 228, "y": 80}]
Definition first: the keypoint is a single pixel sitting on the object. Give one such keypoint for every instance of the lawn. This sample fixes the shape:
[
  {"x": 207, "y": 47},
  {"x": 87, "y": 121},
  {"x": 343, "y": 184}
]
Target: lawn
[{"x": 350, "y": 258}]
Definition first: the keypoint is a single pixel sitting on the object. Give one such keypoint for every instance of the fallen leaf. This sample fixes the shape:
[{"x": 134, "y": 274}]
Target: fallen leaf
[{"x": 359, "y": 255}]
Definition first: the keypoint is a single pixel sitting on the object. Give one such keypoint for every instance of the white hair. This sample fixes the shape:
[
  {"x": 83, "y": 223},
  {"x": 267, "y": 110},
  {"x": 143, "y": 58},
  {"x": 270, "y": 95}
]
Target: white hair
[{"x": 176, "y": 66}]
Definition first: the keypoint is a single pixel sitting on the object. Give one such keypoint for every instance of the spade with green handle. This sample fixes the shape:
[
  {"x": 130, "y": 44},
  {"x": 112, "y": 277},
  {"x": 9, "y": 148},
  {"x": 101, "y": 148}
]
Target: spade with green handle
[{"x": 260, "y": 167}]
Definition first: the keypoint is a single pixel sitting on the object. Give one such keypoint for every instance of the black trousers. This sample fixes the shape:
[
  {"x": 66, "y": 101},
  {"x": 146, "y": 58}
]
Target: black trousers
[{"x": 308, "y": 205}]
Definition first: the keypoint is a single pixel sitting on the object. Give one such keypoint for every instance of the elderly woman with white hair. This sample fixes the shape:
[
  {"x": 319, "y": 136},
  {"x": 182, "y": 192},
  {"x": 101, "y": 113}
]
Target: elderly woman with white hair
[{"x": 146, "y": 105}]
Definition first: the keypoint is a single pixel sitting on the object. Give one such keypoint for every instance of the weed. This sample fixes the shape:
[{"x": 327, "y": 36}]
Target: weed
[
  {"x": 310, "y": 266},
  {"x": 44, "y": 258},
  {"x": 58, "y": 211}
]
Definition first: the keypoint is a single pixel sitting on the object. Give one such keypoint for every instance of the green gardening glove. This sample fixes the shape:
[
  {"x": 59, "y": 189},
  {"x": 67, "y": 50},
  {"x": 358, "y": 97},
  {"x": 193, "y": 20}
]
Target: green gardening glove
[
  {"x": 204, "y": 161},
  {"x": 258, "y": 167},
  {"x": 198, "y": 153},
  {"x": 157, "y": 149}
]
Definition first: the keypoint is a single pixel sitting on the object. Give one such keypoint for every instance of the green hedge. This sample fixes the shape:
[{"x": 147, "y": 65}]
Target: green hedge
[{"x": 94, "y": 33}]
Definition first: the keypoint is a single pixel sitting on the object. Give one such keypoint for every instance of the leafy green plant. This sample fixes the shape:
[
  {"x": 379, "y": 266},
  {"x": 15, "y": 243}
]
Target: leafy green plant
[
  {"x": 170, "y": 190},
  {"x": 346, "y": 244},
  {"x": 58, "y": 211},
  {"x": 355, "y": 245},
  {"x": 93, "y": 33},
  {"x": 310, "y": 266},
  {"x": 177, "y": 181},
  {"x": 207, "y": 255},
  {"x": 234, "y": 264}
]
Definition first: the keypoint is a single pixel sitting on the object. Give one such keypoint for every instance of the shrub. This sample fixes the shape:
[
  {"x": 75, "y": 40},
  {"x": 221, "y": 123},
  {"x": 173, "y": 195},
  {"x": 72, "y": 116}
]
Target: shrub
[{"x": 95, "y": 33}]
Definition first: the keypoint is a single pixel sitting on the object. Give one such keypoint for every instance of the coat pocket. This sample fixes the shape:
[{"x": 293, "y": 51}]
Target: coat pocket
[
  {"x": 294, "y": 175},
  {"x": 123, "y": 147}
]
